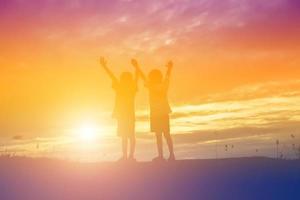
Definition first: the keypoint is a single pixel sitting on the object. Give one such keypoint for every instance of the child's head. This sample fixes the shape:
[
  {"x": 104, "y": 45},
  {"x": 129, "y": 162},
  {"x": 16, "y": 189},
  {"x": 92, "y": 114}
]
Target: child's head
[
  {"x": 126, "y": 78},
  {"x": 155, "y": 76}
]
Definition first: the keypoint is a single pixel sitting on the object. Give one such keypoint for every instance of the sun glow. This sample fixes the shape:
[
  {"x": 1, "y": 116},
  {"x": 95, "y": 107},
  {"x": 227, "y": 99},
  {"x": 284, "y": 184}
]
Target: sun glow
[{"x": 88, "y": 132}]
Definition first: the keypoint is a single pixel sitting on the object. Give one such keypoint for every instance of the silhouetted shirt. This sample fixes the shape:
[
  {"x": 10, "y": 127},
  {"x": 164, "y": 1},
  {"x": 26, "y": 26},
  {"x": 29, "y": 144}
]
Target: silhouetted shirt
[
  {"x": 158, "y": 97},
  {"x": 125, "y": 100}
]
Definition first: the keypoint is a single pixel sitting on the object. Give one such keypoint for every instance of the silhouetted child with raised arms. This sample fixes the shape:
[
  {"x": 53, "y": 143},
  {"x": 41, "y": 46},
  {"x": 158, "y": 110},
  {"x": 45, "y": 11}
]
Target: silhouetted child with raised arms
[
  {"x": 124, "y": 109},
  {"x": 159, "y": 106}
]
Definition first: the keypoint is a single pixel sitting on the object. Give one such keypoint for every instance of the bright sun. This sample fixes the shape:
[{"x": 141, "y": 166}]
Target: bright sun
[{"x": 87, "y": 132}]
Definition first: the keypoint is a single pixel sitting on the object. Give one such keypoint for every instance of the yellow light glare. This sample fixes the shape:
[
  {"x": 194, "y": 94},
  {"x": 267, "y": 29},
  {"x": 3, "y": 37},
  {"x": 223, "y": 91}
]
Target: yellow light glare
[{"x": 88, "y": 132}]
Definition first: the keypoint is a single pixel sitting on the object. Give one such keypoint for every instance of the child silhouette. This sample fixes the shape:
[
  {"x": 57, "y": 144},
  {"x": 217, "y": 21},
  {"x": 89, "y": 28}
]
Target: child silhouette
[
  {"x": 159, "y": 106},
  {"x": 124, "y": 109}
]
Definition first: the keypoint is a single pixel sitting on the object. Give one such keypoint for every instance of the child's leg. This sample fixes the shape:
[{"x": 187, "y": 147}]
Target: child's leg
[
  {"x": 159, "y": 144},
  {"x": 124, "y": 146},
  {"x": 169, "y": 140},
  {"x": 132, "y": 146}
]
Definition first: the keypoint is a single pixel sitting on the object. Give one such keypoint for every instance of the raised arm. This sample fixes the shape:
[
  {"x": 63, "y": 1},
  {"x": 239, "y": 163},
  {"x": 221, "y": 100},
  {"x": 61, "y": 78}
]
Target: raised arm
[
  {"x": 103, "y": 63},
  {"x": 169, "y": 70},
  {"x": 138, "y": 69},
  {"x": 137, "y": 75}
]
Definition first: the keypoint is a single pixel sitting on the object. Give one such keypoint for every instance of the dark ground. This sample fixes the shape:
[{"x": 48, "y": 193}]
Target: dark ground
[{"x": 239, "y": 178}]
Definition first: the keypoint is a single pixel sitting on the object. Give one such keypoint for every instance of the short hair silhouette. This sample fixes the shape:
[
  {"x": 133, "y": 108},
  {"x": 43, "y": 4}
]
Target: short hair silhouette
[
  {"x": 158, "y": 85},
  {"x": 155, "y": 76},
  {"x": 126, "y": 78}
]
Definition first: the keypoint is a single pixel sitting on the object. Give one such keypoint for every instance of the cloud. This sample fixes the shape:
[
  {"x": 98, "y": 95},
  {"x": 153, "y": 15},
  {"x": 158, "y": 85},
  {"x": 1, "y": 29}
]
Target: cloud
[
  {"x": 258, "y": 105},
  {"x": 123, "y": 24},
  {"x": 247, "y": 141}
]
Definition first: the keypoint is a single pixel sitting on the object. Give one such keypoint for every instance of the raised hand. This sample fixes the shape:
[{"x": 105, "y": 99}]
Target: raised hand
[
  {"x": 134, "y": 63},
  {"x": 103, "y": 61},
  {"x": 170, "y": 64}
]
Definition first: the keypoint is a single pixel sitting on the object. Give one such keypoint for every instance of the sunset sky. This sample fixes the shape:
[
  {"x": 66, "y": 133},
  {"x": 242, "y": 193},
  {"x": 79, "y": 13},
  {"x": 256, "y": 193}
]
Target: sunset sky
[{"x": 236, "y": 76}]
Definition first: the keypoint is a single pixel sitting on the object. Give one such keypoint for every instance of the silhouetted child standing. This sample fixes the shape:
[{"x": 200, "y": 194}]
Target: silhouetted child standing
[
  {"x": 124, "y": 110},
  {"x": 159, "y": 107}
]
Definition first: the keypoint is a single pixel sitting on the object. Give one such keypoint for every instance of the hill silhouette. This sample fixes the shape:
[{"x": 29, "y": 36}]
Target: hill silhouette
[{"x": 239, "y": 178}]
